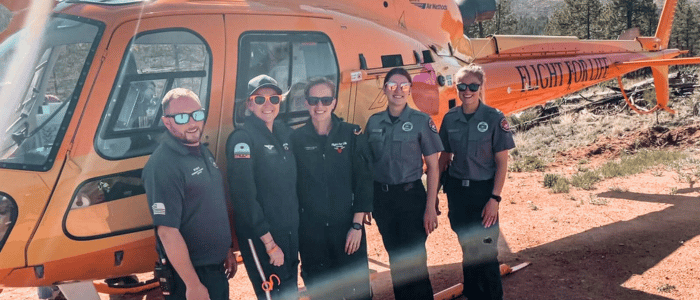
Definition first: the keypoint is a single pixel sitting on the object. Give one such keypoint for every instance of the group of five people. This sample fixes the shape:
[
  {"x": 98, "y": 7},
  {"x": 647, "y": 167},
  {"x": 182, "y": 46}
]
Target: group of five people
[{"x": 308, "y": 192}]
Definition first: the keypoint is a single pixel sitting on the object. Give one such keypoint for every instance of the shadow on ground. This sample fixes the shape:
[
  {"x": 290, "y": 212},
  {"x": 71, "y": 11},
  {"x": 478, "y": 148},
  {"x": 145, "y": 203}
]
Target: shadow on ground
[{"x": 595, "y": 263}]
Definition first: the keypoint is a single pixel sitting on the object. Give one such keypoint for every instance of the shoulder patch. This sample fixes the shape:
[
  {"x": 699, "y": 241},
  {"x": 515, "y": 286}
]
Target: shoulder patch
[
  {"x": 241, "y": 150},
  {"x": 158, "y": 208},
  {"x": 357, "y": 131},
  {"x": 432, "y": 126},
  {"x": 504, "y": 125}
]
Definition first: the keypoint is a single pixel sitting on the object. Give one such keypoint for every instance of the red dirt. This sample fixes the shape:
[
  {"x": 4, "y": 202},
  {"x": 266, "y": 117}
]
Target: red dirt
[{"x": 630, "y": 238}]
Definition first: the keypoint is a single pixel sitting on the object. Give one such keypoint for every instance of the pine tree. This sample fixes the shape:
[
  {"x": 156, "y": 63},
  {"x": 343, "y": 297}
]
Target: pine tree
[
  {"x": 504, "y": 22},
  {"x": 626, "y": 14},
  {"x": 579, "y": 18},
  {"x": 685, "y": 34}
]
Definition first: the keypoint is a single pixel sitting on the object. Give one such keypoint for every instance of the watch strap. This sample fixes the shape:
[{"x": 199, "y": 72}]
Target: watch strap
[{"x": 495, "y": 197}]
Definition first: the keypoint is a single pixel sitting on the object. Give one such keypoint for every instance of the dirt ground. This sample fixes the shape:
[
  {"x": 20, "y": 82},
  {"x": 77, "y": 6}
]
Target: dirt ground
[{"x": 630, "y": 238}]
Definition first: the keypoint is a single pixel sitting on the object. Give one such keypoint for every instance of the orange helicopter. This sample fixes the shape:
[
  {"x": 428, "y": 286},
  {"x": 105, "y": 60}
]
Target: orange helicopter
[{"x": 78, "y": 125}]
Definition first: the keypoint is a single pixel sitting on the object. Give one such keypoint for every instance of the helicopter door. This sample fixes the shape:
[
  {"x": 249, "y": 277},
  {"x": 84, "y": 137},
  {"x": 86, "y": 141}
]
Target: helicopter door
[{"x": 98, "y": 215}]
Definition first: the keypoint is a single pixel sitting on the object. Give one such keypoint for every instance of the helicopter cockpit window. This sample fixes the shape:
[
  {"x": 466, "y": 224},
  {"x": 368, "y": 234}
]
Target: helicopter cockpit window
[
  {"x": 39, "y": 107},
  {"x": 154, "y": 63},
  {"x": 291, "y": 58}
]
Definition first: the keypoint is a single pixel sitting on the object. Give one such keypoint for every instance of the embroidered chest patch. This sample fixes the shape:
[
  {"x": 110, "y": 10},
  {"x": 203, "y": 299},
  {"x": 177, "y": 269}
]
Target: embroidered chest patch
[
  {"x": 339, "y": 146},
  {"x": 408, "y": 126}
]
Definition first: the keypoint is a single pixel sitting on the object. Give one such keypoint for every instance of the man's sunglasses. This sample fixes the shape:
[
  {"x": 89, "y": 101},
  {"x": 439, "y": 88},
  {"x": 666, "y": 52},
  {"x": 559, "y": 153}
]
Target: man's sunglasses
[
  {"x": 260, "y": 99},
  {"x": 392, "y": 86},
  {"x": 184, "y": 118},
  {"x": 472, "y": 87},
  {"x": 313, "y": 101}
]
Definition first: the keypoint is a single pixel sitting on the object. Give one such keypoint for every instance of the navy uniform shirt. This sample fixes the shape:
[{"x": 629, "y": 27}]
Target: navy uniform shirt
[
  {"x": 476, "y": 141},
  {"x": 185, "y": 190},
  {"x": 335, "y": 177},
  {"x": 397, "y": 148},
  {"x": 262, "y": 179}
]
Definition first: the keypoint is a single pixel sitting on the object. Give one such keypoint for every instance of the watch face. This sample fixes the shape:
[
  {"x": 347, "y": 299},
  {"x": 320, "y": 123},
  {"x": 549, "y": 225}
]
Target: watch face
[{"x": 357, "y": 226}]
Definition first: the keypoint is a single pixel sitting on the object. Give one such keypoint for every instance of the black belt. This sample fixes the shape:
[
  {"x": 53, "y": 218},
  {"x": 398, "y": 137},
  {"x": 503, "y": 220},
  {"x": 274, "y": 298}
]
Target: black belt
[
  {"x": 470, "y": 182},
  {"x": 210, "y": 267},
  {"x": 385, "y": 187}
]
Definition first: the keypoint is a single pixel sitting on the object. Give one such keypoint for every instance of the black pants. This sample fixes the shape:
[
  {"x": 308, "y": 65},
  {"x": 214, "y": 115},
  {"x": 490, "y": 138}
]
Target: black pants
[
  {"x": 399, "y": 210},
  {"x": 287, "y": 272},
  {"x": 212, "y": 276},
  {"x": 482, "y": 277},
  {"x": 329, "y": 272}
]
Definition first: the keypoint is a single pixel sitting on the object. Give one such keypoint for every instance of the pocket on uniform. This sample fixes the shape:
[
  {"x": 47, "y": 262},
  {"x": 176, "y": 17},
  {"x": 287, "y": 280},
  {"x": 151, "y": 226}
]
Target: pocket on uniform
[
  {"x": 480, "y": 147},
  {"x": 407, "y": 145},
  {"x": 376, "y": 142}
]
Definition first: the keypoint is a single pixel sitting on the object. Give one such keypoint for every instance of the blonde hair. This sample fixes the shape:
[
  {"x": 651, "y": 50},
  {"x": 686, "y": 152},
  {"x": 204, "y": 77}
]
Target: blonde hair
[
  {"x": 178, "y": 93},
  {"x": 477, "y": 71}
]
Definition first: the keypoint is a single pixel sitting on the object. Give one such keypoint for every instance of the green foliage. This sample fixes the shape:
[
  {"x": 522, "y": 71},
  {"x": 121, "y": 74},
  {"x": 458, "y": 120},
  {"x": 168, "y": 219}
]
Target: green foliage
[
  {"x": 686, "y": 27},
  {"x": 596, "y": 19},
  {"x": 579, "y": 18},
  {"x": 527, "y": 163},
  {"x": 666, "y": 288},
  {"x": 556, "y": 182},
  {"x": 585, "y": 180},
  {"x": 592, "y": 199},
  {"x": 504, "y": 21},
  {"x": 639, "y": 162}
]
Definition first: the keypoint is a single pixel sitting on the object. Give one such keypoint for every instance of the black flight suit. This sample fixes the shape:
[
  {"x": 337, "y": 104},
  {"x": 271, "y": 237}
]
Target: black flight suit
[
  {"x": 262, "y": 181},
  {"x": 334, "y": 183}
]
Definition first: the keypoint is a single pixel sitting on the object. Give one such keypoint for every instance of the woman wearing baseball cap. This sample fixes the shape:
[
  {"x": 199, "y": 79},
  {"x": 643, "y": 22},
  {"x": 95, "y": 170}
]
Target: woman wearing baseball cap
[{"x": 262, "y": 181}]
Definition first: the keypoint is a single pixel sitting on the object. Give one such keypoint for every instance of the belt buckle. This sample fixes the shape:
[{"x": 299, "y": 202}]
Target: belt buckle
[
  {"x": 385, "y": 187},
  {"x": 465, "y": 182}
]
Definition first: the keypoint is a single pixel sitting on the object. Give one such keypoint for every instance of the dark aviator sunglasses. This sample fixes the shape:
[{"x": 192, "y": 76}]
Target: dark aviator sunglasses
[
  {"x": 313, "y": 101},
  {"x": 184, "y": 118},
  {"x": 472, "y": 87}
]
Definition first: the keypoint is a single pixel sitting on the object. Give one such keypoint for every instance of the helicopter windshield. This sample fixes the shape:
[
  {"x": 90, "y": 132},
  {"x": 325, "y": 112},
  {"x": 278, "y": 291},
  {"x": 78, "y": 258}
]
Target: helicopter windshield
[{"x": 38, "y": 113}]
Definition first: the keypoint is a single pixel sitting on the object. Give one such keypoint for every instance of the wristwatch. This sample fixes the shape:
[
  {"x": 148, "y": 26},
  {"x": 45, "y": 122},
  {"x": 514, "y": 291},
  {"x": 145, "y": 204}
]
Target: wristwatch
[
  {"x": 357, "y": 226},
  {"x": 497, "y": 198}
]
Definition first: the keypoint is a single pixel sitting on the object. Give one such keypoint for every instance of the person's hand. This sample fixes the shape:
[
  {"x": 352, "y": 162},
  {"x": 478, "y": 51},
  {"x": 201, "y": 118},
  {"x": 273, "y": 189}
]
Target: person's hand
[
  {"x": 197, "y": 291},
  {"x": 367, "y": 219},
  {"x": 276, "y": 255},
  {"x": 353, "y": 240},
  {"x": 430, "y": 221},
  {"x": 437, "y": 206},
  {"x": 490, "y": 213},
  {"x": 231, "y": 264}
]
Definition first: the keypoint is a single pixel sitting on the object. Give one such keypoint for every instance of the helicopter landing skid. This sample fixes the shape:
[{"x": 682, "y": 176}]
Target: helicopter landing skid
[{"x": 81, "y": 290}]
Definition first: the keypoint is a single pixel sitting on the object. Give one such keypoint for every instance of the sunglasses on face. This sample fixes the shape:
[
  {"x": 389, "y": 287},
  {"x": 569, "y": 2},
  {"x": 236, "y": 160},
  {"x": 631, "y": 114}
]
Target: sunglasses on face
[
  {"x": 472, "y": 87},
  {"x": 184, "y": 118},
  {"x": 313, "y": 101},
  {"x": 392, "y": 86},
  {"x": 260, "y": 99}
]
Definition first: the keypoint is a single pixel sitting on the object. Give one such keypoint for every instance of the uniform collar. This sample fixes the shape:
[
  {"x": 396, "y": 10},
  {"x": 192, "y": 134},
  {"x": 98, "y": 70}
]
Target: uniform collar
[
  {"x": 477, "y": 114},
  {"x": 259, "y": 124},
  {"x": 402, "y": 117},
  {"x": 171, "y": 142},
  {"x": 335, "y": 123}
]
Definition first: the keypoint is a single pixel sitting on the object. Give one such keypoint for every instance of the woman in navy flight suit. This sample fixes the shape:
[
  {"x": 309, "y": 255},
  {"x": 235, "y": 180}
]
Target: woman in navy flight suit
[
  {"x": 262, "y": 182},
  {"x": 335, "y": 193}
]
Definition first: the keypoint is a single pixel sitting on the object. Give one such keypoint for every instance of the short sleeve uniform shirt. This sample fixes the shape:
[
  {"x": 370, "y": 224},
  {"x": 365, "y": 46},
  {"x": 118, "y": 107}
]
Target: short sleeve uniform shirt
[{"x": 398, "y": 147}]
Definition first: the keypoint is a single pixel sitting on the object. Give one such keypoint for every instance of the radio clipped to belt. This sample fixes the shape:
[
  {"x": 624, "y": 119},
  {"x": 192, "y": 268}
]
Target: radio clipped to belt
[{"x": 163, "y": 270}]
